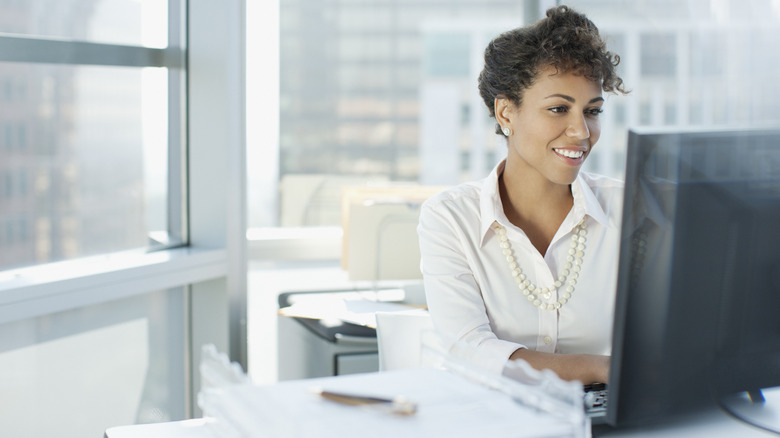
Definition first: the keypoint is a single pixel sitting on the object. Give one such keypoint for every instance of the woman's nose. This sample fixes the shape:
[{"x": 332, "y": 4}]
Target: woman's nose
[{"x": 578, "y": 128}]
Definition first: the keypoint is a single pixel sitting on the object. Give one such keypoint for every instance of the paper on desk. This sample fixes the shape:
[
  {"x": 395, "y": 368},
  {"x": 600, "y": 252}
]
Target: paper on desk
[
  {"x": 448, "y": 406},
  {"x": 352, "y": 310}
]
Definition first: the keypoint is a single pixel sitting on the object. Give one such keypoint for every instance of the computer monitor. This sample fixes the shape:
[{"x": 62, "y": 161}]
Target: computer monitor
[{"x": 697, "y": 313}]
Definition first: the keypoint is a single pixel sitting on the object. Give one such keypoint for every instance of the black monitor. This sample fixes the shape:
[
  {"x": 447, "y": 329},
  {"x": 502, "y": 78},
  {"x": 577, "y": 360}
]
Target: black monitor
[{"x": 697, "y": 313}]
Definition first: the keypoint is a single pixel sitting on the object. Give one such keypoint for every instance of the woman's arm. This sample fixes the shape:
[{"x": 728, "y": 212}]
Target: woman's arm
[
  {"x": 586, "y": 368},
  {"x": 453, "y": 296}
]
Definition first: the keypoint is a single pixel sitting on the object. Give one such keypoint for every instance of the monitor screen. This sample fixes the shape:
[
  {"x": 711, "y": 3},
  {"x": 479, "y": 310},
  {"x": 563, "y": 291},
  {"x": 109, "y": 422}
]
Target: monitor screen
[{"x": 698, "y": 295}]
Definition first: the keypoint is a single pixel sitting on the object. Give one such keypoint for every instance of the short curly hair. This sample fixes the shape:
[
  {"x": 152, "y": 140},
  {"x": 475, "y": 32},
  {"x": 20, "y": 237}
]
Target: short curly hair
[{"x": 565, "y": 40}]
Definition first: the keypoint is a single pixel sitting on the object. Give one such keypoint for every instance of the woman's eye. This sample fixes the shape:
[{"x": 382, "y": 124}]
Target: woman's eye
[
  {"x": 595, "y": 111},
  {"x": 559, "y": 109}
]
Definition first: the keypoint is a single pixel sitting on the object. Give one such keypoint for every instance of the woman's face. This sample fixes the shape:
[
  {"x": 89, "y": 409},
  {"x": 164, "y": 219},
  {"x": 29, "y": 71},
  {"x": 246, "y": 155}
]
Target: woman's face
[{"x": 555, "y": 127}]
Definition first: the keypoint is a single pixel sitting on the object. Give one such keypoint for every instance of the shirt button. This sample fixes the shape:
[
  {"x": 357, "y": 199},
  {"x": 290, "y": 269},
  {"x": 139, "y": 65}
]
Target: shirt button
[{"x": 547, "y": 340}]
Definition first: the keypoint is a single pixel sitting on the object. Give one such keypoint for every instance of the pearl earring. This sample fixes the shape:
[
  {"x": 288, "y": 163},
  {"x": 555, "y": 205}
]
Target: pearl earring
[{"x": 507, "y": 132}]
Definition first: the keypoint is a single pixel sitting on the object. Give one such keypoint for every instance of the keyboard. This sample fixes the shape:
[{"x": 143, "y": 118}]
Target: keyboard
[{"x": 595, "y": 400}]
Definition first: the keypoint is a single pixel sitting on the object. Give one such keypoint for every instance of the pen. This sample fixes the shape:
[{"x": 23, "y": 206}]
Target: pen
[{"x": 398, "y": 405}]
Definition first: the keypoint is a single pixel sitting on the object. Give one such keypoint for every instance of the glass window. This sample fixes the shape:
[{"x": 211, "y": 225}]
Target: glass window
[
  {"x": 658, "y": 53},
  {"x": 368, "y": 110},
  {"x": 129, "y": 22},
  {"x": 364, "y": 49},
  {"x": 447, "y": 55},
  {"x": 92, "y": 368},
  {"x": 708, "y": 59},
  {"x": 350, "y": 90},
  {"x": 90, "y": 164},
  {"x": 364, "y": 17}
]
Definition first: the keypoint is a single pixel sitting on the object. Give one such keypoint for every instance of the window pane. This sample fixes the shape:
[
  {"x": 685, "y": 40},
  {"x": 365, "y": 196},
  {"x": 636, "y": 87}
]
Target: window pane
[
  {"x": 92, "y": 368},
  {"x": 352, "y": 77},
  {"x": 84, "y": 161},
  {"x": 659, "y": 55},
  {"x": 389, "y": 92},
  {"x": 129, "y": 22}
]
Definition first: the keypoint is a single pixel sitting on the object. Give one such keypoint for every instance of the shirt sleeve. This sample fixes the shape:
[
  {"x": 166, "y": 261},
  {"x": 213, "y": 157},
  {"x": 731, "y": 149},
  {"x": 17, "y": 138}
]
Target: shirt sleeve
[{"x": 453, "y": 295}]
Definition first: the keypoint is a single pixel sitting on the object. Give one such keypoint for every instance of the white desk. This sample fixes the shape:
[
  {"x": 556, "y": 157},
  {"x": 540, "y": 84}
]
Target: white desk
[
  {"x": 329, "y": 333},
  {"x": 195, "y": 428},
  {"x": 710, "y": 424},
  {"x": 447, "y": 407}
]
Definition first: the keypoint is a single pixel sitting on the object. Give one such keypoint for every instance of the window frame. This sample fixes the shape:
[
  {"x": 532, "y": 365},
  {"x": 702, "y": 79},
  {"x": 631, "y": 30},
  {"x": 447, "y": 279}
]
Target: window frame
[
  {"x": 31, "y": 49},
  {"x": 206, "y": 43},
  {"x": 29, "y": 284}
]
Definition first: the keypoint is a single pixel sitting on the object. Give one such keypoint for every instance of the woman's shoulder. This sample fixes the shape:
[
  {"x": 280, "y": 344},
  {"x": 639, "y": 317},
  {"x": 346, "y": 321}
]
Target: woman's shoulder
[
  {"x": 464, "y": 192},
  {"x": 459, "y": 198}
]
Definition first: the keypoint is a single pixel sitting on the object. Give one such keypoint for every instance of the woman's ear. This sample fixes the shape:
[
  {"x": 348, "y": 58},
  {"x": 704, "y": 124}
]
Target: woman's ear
[{"x": 501, "y": 107}]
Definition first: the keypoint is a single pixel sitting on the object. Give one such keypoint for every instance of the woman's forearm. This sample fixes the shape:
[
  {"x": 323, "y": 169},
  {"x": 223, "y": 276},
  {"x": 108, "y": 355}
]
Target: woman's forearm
[{"x": 586, "y": 368}]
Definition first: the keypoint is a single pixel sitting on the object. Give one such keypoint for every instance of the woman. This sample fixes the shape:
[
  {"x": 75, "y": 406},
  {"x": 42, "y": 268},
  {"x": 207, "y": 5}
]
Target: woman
[{"x": 523, "y": 264}]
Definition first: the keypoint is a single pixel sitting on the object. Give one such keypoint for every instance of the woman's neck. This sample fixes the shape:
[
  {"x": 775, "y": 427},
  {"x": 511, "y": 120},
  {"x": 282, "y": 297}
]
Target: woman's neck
[{"x": 534, "y": 204}]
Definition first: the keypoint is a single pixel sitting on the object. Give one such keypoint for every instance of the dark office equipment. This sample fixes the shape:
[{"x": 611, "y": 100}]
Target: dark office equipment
[
  {"x": 311, "y": 347},
  {"x": 696, "y": 317}
]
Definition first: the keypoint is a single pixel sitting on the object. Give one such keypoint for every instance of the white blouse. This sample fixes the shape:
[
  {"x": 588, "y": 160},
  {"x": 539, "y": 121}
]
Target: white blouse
[{"x": 472, "y": 295}]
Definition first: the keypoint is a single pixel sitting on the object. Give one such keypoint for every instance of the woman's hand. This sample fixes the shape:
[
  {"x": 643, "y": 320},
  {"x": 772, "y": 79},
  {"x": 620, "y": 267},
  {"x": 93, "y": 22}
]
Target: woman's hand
[{"x": 586, "y": 368}]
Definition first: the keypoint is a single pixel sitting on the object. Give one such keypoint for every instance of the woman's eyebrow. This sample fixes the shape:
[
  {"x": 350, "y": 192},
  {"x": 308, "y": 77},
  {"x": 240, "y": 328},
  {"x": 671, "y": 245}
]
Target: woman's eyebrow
[{"x": 572, "y": 100}]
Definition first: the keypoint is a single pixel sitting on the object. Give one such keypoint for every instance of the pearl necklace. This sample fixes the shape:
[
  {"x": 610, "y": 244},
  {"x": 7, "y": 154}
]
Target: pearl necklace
[{"x": 540, "y": 297}]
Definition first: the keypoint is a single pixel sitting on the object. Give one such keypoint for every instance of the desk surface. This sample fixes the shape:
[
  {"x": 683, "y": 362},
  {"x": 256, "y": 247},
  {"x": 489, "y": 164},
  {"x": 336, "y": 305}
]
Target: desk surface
[
  {"x": 708, "y": 424},
  {"x": 312, "y": 316},
  {"x": 447, "y": 407},
  {"x": 348, "y": 312},
  {"x": 195, "y": 428}
]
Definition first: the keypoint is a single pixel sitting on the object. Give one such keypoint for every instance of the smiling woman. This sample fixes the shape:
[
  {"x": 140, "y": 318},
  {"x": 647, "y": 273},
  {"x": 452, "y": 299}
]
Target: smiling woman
[
  {"x": 505, "y": 261},
  {"x": 558, "y": 115}
]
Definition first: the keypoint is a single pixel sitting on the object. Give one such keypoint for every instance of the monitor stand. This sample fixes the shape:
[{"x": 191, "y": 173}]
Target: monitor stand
[{"x": 760, "y": 408}]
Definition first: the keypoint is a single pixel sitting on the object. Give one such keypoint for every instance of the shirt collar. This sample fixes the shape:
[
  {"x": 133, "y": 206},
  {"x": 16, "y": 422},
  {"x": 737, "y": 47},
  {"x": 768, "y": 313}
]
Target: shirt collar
[
  {"x": 586, "y": 203},
  {"x": 491, "y": 209}
]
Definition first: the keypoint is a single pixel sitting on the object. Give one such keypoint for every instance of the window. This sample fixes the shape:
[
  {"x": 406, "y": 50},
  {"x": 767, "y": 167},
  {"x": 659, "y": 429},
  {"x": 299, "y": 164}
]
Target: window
[
  {"x": 126, "y": 22},
  {"x": 100, "y": 170},
  {"x": 353, "y": 81},
  {"x": 388, "y": 92},
  {"x": 95, "y": 367},
  {"x": 658, "y": 54},
  {"x": 92, "y": 124}
]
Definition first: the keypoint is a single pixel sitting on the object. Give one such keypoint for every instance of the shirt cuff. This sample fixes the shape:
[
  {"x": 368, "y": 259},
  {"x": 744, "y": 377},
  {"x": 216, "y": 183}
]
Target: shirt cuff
[{"x": 490, "y": 355}]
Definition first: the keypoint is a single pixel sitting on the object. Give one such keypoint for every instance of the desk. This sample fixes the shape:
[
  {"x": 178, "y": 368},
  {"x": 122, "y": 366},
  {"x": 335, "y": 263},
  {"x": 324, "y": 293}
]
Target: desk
[
  {"x": 195, "y": 428},
  {"x": 447, "y": 407},
  {"x": 317, "y": 346},
  {"x": 713, "y": 423},
  {"x": 331, "y": 333},
  {"x": 706, "y": 425}
]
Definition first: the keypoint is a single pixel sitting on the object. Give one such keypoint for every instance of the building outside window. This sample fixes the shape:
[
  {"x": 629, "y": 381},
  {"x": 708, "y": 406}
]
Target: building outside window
[{"x": 386, "y": 90}]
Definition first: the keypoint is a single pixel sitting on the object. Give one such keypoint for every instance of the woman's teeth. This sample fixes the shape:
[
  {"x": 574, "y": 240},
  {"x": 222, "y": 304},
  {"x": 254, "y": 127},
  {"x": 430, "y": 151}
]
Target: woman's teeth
[{"x": 569, "y": 154}]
